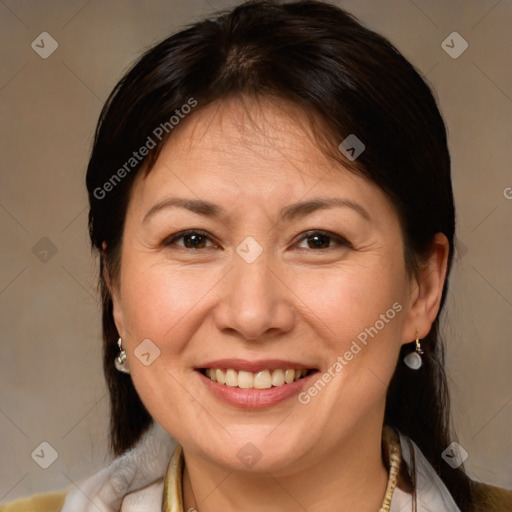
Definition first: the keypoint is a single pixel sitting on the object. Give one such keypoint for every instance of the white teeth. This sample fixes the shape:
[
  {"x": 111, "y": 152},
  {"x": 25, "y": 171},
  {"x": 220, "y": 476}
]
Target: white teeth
[
  {"x": 289, "y": 375},
  {"x": 264, "y": 379},
  {"x": 231, "y": 378},
  {"x": 277, "y": 377},
  {"x": 221, "y": 376},
  {"x": 245, "y": 380}
]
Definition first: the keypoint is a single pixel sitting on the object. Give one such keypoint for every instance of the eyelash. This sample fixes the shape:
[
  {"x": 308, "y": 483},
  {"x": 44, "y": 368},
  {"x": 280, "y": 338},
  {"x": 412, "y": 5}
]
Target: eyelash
[{"x": 308, "y": 234}]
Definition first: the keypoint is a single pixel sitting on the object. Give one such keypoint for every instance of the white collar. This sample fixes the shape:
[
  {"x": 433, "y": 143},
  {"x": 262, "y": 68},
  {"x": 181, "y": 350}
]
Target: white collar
[
  {"x": 133, "y": 482},
  {"x": 432, "y": 494}
]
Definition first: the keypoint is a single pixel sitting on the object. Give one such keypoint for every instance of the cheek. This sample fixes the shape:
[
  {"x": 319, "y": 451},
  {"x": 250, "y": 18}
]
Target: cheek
[
  {"x": 158, "y": 300},
  {"x": 359, "y": 314},
  {"x": 344, "y": 302}
]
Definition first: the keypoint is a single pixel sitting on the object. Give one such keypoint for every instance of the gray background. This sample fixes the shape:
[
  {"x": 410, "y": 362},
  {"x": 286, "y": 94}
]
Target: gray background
[{"x": 51, "y": 384}]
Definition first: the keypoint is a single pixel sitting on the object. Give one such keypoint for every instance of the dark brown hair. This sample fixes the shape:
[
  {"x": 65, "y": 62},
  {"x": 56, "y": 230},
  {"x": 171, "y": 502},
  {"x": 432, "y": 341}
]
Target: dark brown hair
[{"x": 353, "y": 81}]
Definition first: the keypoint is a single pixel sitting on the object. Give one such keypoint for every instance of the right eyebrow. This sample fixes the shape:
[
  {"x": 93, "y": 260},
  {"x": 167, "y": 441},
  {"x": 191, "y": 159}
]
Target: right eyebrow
[{"x": 198, "y": 206}]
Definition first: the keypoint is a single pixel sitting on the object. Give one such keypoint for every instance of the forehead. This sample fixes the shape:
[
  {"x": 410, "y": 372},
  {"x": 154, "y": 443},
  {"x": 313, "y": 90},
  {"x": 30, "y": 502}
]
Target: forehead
[
  {"x": 255, "y": 150},
  {"x": 253, "y": 131}
]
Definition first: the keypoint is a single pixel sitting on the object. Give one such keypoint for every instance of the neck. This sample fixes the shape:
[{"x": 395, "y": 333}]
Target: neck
[{"x": 350, "y": 477}]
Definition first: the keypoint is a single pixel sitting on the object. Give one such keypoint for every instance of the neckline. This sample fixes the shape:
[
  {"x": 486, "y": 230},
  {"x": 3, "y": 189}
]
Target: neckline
[{"x": 172, "y": 500}]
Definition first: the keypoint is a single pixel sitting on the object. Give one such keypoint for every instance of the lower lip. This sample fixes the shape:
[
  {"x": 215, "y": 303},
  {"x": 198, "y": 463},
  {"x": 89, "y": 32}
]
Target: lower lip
[{"x": 254, "y": 398}]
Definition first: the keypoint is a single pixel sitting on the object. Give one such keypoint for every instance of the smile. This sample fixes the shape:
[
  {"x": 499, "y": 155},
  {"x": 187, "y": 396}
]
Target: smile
[{"x": 264, "y": 379}]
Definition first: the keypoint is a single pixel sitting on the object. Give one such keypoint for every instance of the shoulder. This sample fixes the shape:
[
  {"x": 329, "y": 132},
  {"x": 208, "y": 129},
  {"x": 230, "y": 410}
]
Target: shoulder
[
  {"x": 48, "y": 502},
  {"x": 489, "y": 498}
]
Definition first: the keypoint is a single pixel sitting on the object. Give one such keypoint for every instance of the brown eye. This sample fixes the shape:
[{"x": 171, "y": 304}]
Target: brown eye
[
  {"x": 192, "y": 239},
  {"x": 319, "y": 241},
  {"x": 323, "y": 239}
]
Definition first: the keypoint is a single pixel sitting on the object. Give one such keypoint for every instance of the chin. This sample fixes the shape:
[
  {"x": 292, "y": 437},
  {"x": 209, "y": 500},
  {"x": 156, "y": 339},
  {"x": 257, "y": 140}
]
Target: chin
[{"x": 255, "y": 453}]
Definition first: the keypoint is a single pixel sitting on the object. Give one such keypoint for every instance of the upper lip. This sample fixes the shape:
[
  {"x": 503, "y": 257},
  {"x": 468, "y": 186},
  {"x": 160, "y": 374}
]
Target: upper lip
[{"x": 254, "y": 366}]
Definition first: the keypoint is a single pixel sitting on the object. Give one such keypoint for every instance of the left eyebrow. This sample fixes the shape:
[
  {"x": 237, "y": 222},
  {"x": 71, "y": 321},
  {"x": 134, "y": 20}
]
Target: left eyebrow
[{"x": 301, "y": 209}]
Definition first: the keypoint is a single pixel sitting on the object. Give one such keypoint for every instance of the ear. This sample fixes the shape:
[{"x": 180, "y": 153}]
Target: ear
[
  {"x": 114, "y": 294},
  {"x": 427, "y": 290}
]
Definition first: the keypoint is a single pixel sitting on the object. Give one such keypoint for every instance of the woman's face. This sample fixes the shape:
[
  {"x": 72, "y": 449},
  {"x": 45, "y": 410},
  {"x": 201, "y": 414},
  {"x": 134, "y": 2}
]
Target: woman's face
[{"x": 290, "y": 262}]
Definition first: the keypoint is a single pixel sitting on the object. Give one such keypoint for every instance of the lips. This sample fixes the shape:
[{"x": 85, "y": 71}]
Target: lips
[
  {"x": 264, "y": 379},
  {"x": 253, "y": 398},
  {"x": 254, "y": 366},
  {"x": 254, "y": 375}
]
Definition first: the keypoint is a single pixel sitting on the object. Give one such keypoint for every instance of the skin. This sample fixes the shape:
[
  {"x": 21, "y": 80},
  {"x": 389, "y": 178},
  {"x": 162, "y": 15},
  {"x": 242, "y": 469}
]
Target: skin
[{"x": 295, "y": 301}]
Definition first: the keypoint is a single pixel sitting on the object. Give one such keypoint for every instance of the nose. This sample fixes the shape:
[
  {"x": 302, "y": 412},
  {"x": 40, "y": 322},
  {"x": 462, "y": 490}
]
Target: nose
[{"x": 256, "y": 303}]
